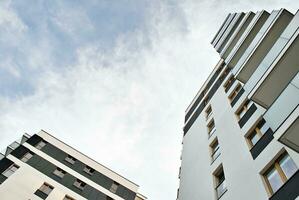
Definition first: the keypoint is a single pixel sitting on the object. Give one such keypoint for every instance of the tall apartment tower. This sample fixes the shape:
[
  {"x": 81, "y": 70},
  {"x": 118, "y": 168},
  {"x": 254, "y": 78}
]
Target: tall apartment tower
[
  {"x": 43, "y": 167},
  {"x": 241, "y": 132}
]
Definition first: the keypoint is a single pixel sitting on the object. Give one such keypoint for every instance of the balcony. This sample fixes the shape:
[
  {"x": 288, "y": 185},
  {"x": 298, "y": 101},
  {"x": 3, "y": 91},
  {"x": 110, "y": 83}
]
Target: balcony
[
  {"x": 223, "y": 28},
  {"x": 291, "y": 137},
  {"x": 246, "y": 38},
  {"x": 262, "y": 43},
  {"x": 229, "y": 31},
  {"x": 277, "y": 69},
  {"x": 237, "y": 34}
]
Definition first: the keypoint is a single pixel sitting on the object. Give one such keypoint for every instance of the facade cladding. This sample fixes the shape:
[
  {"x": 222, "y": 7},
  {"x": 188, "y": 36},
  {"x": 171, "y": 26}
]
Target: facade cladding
[
  {"x": 241, "y": 133},
  {"x": 43, "y": 167}
]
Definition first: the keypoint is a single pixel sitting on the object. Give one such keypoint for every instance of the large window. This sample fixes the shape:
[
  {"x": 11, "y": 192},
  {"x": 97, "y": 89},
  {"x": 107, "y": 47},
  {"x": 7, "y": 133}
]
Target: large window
[
  {"x": 79, "y": 184},
  {"x": 40, "y": 145},
  {"x": 215, "y": 151},
  {"x": 260, "y": 129},
  {"x": 279, "y": 172},
  {"x": 88, "y": 170},
  {"x": 241, "y": 112},
  {"x": 10, "y": 170},
  {"x": 114, "y": 187},
  {"x": 229, "y": 83},
  {"x": 235, "y": 92},
  {"x": 211, "y": 127},
  {"x": 220, "y": 183},
  {"x": 59, "y": 172},
  {"x": 44, "y": 191},
  {"x": 27, "y": 157},
  {"x": 70, "y": 159},
  {"x": 208, "y": 112}
]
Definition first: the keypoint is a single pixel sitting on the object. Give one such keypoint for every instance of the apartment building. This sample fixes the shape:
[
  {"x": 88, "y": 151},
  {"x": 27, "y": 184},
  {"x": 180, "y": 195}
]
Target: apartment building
[
  {"x": 241, "y": 132},
  {"x": 43, "y": 167}
]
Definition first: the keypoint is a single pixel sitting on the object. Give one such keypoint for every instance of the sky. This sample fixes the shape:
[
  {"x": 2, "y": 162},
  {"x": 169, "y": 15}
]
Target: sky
[{"x": 111, "y": 78}]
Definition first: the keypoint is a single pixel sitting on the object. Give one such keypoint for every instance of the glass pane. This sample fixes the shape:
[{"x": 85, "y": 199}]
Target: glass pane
[
  {"x": 288, "y": 166},
  {"x": 274, "y": 179},
  {"x": 7, "y": 173},
  {"x": 221, "y": 189},
  {"x": 264, "y": 128},
  {"x": 254, "y": 138}
]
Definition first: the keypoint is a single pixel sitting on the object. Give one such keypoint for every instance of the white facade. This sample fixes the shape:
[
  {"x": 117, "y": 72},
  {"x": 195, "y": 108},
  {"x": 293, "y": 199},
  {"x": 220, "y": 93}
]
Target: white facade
[
  {"x": 246, "y": 166},
  {"x": 101, "y": 184}
]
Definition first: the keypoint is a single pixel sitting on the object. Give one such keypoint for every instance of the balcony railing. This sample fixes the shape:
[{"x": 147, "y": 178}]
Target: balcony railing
[
  {"x": 247, "y": 115},
  {"x": 221, "y": 189},
  {"x": 215, "y": 154}
]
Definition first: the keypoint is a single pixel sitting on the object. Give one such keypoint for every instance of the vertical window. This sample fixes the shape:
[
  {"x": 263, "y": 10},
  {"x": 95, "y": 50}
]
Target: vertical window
[
  {"x": 208, "y": 112},
  {"x": 229, "y": 83},
  {"x": 88, "y": 170},
  {"x": 279, "y": 172},
  {"x": 79, "y": 184},
  {"x": 260, "y": 129},
  {"x": 40, "y": 145},
  {"x": 215, "y": 151},
  {"x": 211, "y": 127},
  {"x": 244, "y": 109},
  {"x": 70, "y": 159},
  {"x": 59, "y": 172},
  {"x": 114, "y": 187},
  {"x": 27, "y": 157},
  {"x": 68, "y": 198},
  {"x": 44, "y": 191},
  {"x": 220, "y": 183},
  {"x": 10, "y": 170},
  {"x": 235, "y": 92}
]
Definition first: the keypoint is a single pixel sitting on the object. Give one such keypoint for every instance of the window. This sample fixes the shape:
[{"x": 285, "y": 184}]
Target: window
[
  {"x": 88, "y": 170},
  {"x": 220, "y": 183},
  {"x": 44, "y": 191},
  {"x": 244, "y": 109},
  {"x": 40, "y": 145},
  {"x": 211, "y": 127},
  {"x": 79, "y": 184},
  {"x": 215, "y": 152},
  {"x": 229, "y": 83},
  {"x": 59, "y": 172},
  {"x": 27, "y": 157},
  {"x": 235, "y": 92},
  {"x": 260, "y": 129},
  {"x": 68, "y": 198},
  {"x": 279, "y": 172},
  {"x": 114, "y": 187},
  {"x": 70, "y": 159},
  {"x": 208, "y": 112},
  {"x": 10, "y": 170}
]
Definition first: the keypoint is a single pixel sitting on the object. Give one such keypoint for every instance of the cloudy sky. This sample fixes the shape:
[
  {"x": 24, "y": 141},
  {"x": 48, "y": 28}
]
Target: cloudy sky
[{"x": 111, "y": 78}]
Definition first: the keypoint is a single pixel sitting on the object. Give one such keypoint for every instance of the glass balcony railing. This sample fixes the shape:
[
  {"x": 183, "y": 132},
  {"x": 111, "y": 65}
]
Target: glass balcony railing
[
  {"x": 221, "y": 189},
  {"x": 215, "y": 154}
]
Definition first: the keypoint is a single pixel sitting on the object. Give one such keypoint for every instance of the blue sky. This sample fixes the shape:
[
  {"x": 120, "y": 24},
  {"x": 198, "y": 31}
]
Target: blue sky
[{"x": 111, "y": 78}]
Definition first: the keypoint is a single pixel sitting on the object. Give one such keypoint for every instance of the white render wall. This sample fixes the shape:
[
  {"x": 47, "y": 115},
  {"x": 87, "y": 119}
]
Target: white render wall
[
  {"x": 22, "y": 184},
  {"x": 88, "y": 161},
  {"x": 242, "y": 173}
]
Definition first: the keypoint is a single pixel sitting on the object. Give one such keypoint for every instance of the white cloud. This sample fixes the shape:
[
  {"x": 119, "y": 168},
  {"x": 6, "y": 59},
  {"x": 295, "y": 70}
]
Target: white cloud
[
  {"x": 125, "y": 107},
  {"x": 11, "y": 26}
]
